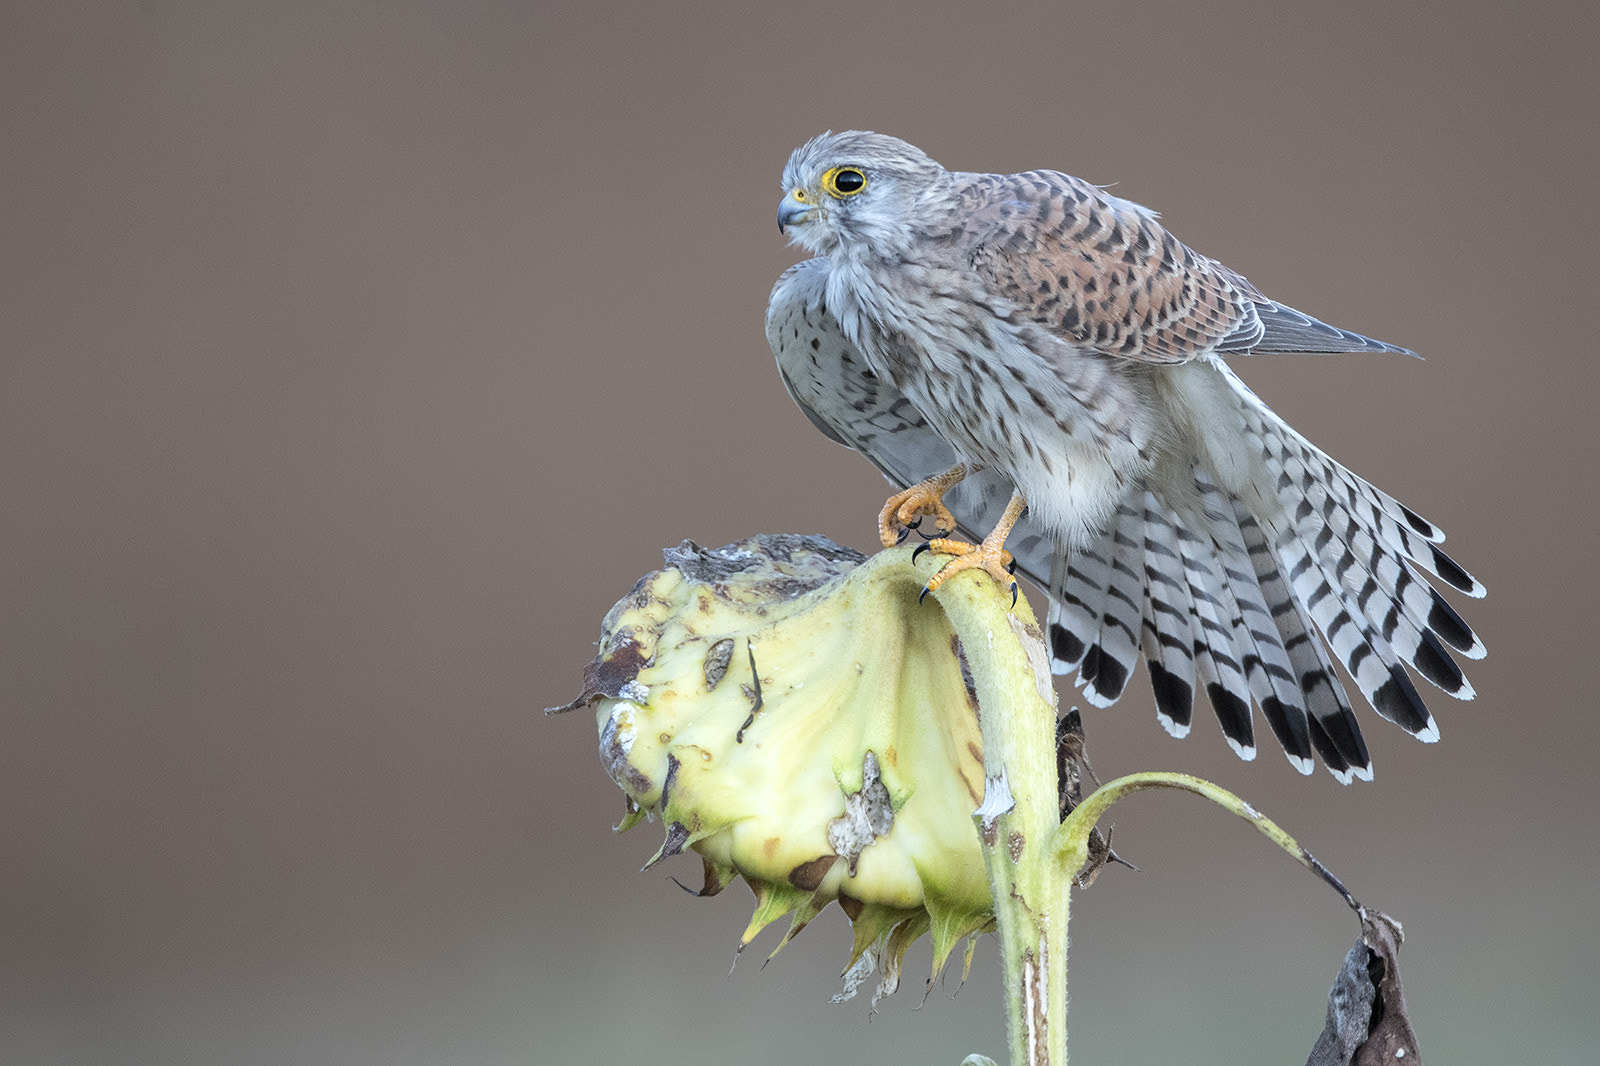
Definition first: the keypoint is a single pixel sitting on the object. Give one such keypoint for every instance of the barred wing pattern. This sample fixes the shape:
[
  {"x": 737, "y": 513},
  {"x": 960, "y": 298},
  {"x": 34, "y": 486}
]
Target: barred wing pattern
[
  {"x": 1199, "y": 583},
  {"x": 829, "y": 381},
  {"x": 1101, "y": 273}
]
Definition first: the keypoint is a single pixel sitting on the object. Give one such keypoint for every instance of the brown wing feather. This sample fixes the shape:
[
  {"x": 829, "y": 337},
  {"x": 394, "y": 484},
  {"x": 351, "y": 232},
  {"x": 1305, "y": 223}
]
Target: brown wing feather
[{"x": 1102, "y": 273}]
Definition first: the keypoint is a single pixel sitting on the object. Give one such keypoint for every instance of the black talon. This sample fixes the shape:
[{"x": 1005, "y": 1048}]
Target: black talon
[
  {"x": 918, "y": 551},
  {"x": 923, "y": 594},
  {"x": 1011, "y": 567},
  {"x": 937, "y": 533},
  {"x": 905, "y": 531},
  {"x": 1013, "y": 594}
]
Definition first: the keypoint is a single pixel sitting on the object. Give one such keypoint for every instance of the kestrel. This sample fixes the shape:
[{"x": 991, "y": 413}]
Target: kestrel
[{"x": 1030, "y": 341}]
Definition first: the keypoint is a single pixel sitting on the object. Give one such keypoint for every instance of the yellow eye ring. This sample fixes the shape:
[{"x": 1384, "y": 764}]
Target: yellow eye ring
[{"x": 841, "y": 182}]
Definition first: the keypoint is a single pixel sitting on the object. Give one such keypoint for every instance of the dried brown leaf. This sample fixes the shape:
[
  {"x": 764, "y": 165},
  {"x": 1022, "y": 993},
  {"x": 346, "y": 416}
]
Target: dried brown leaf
[{"x": 1367, "y": 1022}]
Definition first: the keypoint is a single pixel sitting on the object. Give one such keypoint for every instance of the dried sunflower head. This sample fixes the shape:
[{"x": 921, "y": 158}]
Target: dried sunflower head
[{"x": 801, "y": 721}]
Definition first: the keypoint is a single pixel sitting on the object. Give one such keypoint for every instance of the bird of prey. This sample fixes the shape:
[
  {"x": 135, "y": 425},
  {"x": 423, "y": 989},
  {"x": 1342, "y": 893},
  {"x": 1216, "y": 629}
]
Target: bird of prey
[{"x": 1032, "y": 346}]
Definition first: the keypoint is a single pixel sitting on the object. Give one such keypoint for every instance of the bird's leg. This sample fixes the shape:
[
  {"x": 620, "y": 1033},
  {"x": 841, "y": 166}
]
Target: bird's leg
[
  {"x": 989, "y": 556},
  {"x": 904, "y": 510}
]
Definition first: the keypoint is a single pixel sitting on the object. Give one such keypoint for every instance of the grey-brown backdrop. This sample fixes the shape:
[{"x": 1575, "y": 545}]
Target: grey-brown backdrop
[{"x": 356, "y": 358}]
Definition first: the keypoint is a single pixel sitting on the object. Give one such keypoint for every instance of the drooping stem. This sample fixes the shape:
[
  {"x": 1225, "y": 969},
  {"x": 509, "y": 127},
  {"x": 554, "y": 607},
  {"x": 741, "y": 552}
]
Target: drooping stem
[
  {"x": 1071, "y": 847},
  {"x": 1033, "y": 855}
]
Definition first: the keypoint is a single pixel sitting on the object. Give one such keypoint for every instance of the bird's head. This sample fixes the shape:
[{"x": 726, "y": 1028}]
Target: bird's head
[{"x": 855, "y": 191}]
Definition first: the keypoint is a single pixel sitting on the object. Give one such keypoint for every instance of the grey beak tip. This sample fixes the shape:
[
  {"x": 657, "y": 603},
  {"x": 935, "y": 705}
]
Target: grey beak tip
[{"x": 789, "y": 213}]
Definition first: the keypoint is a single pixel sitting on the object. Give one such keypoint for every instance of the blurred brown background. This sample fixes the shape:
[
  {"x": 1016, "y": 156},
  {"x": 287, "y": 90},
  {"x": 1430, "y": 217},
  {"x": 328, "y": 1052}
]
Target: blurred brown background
[{"x": 357, "y": 358}]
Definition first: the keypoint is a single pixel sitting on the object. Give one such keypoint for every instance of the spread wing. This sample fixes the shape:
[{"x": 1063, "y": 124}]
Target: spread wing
[
  {"x": 827, "y": 378},
  {"x": 1202, "y": 591},
  {"x": 1102, "y": 273}
]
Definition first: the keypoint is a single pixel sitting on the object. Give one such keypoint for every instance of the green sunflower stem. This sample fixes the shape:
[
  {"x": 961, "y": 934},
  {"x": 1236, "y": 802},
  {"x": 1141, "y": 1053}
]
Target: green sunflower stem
[
  {"x": 1072, "y": 839},
  {"x": 1031, "y": 853},
  {"x": 1018, "y": 821}
]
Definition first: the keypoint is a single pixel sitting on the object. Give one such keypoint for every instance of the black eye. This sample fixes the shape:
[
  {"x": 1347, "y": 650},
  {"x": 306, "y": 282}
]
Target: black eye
[{"x": 844, "y": 181}]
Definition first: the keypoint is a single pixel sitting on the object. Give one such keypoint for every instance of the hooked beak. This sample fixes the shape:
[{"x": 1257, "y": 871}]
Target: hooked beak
[{"x": 792, "y": 211}]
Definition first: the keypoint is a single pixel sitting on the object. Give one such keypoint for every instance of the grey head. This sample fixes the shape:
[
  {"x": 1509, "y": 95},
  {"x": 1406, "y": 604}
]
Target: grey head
[{"x": 857, "y": 191}]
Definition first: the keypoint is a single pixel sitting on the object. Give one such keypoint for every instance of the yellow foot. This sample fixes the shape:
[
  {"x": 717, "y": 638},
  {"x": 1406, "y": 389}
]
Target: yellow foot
[
  {"x": 988, "y": 557},
  {"x": 906, "y": 510}
]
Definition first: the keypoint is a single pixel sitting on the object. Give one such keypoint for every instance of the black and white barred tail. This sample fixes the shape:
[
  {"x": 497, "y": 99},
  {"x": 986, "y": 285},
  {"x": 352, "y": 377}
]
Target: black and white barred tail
[{"x": 1228, "y": 601}]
